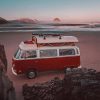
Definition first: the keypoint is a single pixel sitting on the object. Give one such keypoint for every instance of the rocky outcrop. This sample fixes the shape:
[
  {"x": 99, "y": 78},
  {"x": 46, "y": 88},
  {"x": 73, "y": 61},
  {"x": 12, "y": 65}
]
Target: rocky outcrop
[
  {"x": 56, "y": 20},
  {"x": 7, "y": 91},
  {"x": 26, "y": 20},
  {"x": 3, "y": 21},
  {"x": 78, "y": 84}
]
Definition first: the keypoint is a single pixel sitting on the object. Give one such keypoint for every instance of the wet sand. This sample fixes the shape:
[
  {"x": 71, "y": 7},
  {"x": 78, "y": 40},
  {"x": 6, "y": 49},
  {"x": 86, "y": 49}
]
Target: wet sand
[{"x": 89, "y": 43}]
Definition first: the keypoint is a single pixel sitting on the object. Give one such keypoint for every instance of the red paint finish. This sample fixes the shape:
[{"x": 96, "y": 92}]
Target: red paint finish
[{"x": 45, "y": 64}]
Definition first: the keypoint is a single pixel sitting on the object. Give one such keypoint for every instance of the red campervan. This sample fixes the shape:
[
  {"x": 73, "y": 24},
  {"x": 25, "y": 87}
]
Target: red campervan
[{"x": 44, "y": 53}]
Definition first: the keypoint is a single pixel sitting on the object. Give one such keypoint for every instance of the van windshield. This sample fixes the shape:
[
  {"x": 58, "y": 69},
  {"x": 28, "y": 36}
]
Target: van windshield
[{"x": 17, "y": 54}]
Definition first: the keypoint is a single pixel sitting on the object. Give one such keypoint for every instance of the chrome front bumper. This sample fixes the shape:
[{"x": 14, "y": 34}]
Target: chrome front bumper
[{"x": 14, "y": 72}]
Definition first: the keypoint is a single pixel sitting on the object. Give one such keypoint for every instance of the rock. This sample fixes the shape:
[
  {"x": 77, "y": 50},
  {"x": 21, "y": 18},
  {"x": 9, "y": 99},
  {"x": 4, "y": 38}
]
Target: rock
[
  {"x": 78, "y": 84},
  {"x": 7, "y": 91},
  {"x": 3, "y": 21},
  {"x": 55, "y": 89},
  {"x": 3, "y": 58},
  {"x": 56, "y": 20}
]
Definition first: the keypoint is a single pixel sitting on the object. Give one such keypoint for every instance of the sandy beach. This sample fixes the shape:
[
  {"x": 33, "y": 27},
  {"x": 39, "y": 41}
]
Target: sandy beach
[{"x": 88, "y": 44}]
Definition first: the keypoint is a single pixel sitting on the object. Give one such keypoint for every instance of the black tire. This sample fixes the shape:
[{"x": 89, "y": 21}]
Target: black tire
[{"x": 31, "y": 74}]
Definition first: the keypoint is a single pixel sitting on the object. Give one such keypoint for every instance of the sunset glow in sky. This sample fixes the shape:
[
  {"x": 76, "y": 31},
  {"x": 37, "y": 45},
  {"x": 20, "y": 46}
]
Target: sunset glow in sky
[{"x": 69, "y": 10}]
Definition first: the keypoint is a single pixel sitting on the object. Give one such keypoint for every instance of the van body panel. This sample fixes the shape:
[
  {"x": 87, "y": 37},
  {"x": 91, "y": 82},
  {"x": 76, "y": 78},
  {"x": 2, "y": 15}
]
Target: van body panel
[{"x": 46, "y": 64}]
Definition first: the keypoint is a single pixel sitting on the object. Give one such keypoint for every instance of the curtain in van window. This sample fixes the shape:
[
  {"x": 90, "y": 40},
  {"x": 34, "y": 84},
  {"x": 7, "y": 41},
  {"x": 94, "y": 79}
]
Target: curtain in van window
[{"x": 64, "y": 52}]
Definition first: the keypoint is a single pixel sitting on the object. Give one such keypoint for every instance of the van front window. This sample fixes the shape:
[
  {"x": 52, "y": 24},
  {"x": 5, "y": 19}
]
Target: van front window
[
  {"x": 31, "y": 54},
  {"x": 21, "y": 54}
]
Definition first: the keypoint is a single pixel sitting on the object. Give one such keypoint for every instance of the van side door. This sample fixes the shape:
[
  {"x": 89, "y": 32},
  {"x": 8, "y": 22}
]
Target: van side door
[{"x": 47, "y": 59}]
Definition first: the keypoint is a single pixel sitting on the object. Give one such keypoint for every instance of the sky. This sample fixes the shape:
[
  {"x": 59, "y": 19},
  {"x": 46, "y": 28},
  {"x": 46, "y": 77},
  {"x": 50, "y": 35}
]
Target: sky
[{"x": 66, "y": 10}]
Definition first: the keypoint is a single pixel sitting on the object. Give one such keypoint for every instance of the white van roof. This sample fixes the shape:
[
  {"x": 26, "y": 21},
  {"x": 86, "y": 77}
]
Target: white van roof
[
  {"x": 24, "y": 46},
  {"x": 47, "y": 40},
  {"x": 56, "y": 39}
]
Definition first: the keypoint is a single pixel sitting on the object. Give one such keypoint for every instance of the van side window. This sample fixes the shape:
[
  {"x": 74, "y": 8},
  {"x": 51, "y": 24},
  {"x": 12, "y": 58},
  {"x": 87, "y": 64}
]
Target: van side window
[
  {"x": 64, "y": 52},
  {"x": 48, "y": 53},
  {"x": 29, "y": 54}
]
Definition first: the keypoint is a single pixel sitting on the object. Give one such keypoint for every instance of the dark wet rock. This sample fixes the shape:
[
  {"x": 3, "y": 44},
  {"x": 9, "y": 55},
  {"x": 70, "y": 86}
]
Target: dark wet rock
[
  {"x": 78, "y": 84},
  {"x": 7, "y": 91},
  {"x": 3, "y": 59},
  {"x": 51, "y": 90}
]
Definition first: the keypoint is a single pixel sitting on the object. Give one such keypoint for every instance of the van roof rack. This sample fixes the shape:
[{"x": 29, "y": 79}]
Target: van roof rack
[
  {"x": 50, "y": 32},
  {"x": 45, "y": 34},
  {"x": 48, "y": 37}
]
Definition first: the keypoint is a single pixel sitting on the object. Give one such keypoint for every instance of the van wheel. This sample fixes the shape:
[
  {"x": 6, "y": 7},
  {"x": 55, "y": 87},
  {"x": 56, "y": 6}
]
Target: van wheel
[{"x": 31, "y": 74}]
